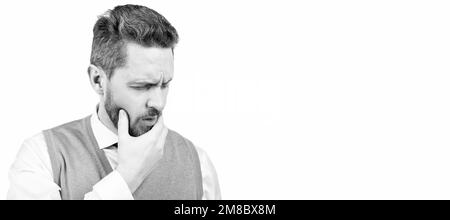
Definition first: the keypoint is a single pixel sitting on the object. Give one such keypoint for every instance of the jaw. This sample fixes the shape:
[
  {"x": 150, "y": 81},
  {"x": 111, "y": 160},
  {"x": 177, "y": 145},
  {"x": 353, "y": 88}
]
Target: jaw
[{"x": 104, "y": 117}]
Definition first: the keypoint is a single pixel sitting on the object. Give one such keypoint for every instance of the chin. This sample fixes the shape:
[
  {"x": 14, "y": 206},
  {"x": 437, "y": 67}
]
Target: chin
[{"x": 140, "y": 130}]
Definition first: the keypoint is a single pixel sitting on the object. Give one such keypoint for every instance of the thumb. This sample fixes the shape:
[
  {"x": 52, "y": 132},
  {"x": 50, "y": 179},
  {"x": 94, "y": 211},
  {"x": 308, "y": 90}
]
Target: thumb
[{"x": 122, "y": 125}]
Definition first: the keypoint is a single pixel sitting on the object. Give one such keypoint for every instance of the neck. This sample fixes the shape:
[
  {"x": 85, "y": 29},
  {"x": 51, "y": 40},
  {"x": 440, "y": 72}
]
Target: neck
[{"x": 104, "y": 118}]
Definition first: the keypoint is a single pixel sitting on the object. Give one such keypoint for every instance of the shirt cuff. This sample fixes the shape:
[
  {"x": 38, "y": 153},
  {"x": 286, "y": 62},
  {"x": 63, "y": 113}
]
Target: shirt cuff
[{"x": 112, "y": 187}]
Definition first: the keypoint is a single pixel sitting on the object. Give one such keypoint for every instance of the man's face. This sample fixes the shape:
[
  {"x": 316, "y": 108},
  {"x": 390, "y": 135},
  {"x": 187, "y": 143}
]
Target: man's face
[{"x": 140, "y": 87}]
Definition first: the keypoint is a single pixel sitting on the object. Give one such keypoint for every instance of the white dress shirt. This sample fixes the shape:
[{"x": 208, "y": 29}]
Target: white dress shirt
[{"x": 31, "y": 175}]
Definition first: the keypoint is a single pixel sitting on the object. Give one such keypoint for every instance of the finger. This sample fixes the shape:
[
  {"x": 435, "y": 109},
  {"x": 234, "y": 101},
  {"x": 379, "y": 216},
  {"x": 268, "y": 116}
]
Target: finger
[
  {"x": 159, "y": 126},
  {"x": 164, "y": 129},
  {"x": 164, "y": 133},
  {"x": 122, "y": 127},
  {"x": 162, "y": 138},
  {"x": 160, "y": 121}
]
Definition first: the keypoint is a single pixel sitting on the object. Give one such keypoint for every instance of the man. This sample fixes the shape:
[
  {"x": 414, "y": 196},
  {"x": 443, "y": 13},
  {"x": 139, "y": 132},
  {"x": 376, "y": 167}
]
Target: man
[{"x": 123, "y": 150}]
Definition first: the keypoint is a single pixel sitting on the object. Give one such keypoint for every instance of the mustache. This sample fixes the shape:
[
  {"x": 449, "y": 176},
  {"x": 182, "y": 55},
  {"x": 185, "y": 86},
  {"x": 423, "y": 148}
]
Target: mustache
[{"x": 152, "y": 112}]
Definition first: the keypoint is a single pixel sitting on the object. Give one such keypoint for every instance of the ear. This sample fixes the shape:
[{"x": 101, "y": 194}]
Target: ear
[{"x": 97, "y": 78}]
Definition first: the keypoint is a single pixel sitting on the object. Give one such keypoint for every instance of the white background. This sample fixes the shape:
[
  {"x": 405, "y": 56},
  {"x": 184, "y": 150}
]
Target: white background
[{"x": 291, "y": 99}]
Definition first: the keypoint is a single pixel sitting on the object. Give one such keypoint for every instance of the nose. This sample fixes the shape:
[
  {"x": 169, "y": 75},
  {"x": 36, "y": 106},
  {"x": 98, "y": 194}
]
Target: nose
[{"x": 156, "y": 98}]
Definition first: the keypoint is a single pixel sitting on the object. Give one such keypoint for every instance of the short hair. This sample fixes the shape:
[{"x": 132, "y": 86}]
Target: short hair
[{"x": 128, "y": 23}]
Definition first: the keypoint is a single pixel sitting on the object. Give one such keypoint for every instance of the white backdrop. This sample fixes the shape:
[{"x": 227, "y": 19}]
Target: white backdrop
[{"x": 291, "y": 99}]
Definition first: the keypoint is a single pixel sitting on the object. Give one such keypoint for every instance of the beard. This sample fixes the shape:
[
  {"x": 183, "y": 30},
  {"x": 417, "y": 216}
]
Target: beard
[{"x": 134, "y": 129}]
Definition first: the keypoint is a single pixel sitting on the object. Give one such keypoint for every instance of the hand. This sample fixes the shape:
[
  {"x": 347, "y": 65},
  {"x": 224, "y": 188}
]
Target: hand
[{"x": 138, "y": 155}]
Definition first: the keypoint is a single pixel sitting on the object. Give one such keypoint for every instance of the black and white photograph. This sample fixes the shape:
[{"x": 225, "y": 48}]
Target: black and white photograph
[{"x": 225, "y": 100}]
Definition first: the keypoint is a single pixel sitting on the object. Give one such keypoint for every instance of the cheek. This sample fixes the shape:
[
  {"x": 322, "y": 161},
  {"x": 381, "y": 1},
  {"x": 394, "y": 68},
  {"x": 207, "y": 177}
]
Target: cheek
[{"x": 131, "y": 102}]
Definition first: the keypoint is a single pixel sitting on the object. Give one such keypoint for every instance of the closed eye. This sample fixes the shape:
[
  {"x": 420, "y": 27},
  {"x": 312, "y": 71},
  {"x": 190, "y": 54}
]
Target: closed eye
[{"x": 142, "y": 87}]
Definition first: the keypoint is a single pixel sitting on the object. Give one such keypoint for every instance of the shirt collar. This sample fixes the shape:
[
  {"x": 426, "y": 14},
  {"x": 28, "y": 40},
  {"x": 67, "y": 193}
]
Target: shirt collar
[{"x": 105, "y": 137}]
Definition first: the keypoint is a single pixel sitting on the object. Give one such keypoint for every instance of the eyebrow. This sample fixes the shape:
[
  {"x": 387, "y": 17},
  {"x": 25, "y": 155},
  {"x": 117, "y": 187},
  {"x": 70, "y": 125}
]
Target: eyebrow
[{"x": 147, "y": 82}]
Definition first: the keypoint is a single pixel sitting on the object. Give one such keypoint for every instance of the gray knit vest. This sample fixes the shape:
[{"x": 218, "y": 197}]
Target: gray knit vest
[{"x": 78, "y": 164}]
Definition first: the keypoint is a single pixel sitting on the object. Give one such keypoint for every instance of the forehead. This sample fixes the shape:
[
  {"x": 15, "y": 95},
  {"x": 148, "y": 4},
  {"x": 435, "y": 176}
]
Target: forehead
[{"x": 146, "y": 63}]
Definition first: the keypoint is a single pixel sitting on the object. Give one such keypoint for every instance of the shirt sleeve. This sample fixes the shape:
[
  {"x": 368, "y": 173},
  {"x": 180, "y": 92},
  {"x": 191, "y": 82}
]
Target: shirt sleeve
[
  {"x": 211, "y": 188},
  {"x": 111, "y": 187},
  {"x": 31, "y": 177}
]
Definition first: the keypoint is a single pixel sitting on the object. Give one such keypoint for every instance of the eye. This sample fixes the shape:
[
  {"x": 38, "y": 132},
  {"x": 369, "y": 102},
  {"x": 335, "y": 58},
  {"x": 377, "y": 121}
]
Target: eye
[
  {"x": 141, "y": 87},
  {"x": 164, "y": 85}
]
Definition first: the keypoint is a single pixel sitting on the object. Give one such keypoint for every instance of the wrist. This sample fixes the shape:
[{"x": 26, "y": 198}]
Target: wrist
[{"x": 129, "y": 176}]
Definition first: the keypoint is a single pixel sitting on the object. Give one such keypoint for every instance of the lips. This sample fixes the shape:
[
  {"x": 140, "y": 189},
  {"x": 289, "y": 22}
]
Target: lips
[{"x": 150, "y": 118}]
